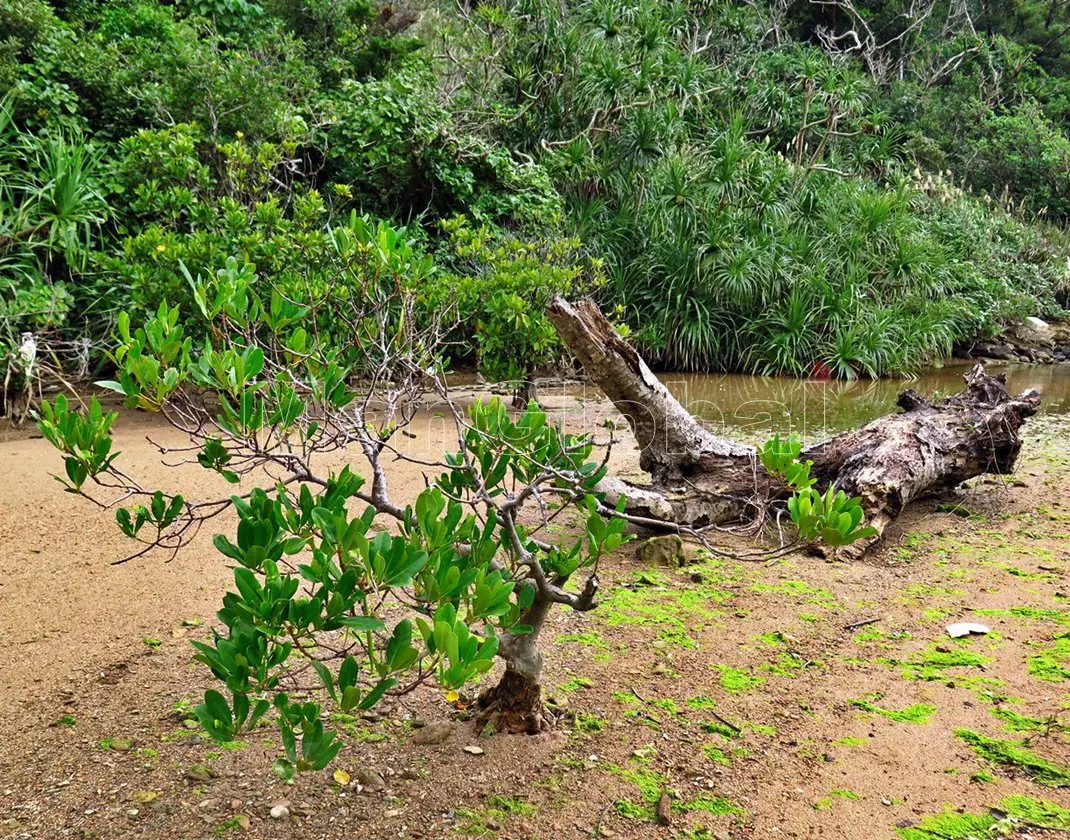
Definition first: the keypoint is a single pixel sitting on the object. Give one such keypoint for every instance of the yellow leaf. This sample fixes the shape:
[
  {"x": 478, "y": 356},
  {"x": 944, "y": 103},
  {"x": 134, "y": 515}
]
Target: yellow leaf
[
  {"x": 342, "y": 777},
  {"x": 452, "y": 696}
]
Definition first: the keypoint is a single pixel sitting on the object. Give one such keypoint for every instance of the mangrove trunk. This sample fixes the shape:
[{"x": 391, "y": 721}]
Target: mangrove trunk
[{"x": 515, "y": 704}]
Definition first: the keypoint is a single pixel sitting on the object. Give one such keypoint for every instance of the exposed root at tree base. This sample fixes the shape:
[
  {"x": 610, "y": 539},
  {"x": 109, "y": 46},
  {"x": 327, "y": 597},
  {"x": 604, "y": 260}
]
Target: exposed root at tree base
[{"x": 513, "y": 706}]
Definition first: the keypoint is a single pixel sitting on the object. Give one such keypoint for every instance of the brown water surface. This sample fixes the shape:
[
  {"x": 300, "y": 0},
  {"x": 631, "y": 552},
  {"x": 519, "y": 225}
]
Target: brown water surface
[{"x": 735, "y": 403}]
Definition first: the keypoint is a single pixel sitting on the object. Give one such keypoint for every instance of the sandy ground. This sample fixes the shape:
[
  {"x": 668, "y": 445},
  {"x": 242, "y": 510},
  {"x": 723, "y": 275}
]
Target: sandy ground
[{"x": 736, "y": 688}]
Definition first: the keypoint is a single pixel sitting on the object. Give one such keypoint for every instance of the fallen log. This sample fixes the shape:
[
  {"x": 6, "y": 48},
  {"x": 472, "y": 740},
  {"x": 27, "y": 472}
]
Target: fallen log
[{"x": 699, "y": 478}]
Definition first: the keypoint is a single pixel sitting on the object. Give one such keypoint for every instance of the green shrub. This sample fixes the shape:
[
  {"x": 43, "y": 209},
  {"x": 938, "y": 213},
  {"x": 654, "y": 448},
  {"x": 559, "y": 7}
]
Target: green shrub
[
  {"x": 830, "y": 517},
  {"x": 458, "y": 580},
  {"x": 193, "y": 205},
  {"x": 404, "y": 156},
  {"x": 1024, "y": 156},
  {"x": 501, "y": 286}
]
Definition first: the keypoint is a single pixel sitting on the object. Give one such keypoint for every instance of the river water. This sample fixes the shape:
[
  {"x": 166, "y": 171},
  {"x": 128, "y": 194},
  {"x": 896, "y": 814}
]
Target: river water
[{"x": 733, "y": 404}]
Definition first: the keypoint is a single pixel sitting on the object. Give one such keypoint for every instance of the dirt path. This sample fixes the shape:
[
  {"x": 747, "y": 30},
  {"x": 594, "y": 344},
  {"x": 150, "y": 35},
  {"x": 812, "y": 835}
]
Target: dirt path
[{"x": 734, "y": 688}]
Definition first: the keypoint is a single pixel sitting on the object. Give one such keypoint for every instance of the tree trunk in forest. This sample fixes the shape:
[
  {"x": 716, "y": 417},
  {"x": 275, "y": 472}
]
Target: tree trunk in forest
[
  {"x": 526, "y": 391},
  {"x": 699, "y": 478}
]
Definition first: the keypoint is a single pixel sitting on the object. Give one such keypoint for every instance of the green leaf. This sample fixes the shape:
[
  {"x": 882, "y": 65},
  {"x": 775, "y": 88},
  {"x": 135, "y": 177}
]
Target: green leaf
[
  {"x": 283, "y": 769},
  {"x": 217, "y": 706},
  {"x": 347, "y": 674},
  {"x": 364, "y": 623},
  {"x": 375, "y": 695}
]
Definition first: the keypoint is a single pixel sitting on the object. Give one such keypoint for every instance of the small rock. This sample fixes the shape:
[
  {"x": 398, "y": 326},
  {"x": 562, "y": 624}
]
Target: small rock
[
  {"x": 199, "y": 773},
  {"x": 667, "y": 550},
  {"x": 280, "y": 811},
  {"x": 370, "y": 780},
  {"x": 122, "y": 744},
  {"x": 393, "y": 812},
  {"x": 886, "y": 801},
  {"x": 473, "y": 750},
  {"x": 208, "y": 804},
  {"x": 433, "y": 733},
  {"x": 992, "y": 350}
]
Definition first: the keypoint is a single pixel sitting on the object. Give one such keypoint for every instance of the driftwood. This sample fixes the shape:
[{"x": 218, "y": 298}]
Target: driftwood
[{"x": 699, "y": 479}]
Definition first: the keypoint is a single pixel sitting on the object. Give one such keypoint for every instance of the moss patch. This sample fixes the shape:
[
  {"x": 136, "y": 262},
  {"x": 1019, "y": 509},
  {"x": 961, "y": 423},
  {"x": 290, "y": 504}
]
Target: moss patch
[
  {"x": 1017, "y": 756},
  {"x": 650, "y": 786},
  {"x": 737, "y": 681},
  {"x": 512, "y": 806},
  {"x": 486, "y": 822},
  {"x": 675, "y": 613},
  {"x": 949, "y": 826},
  {"x": 1038, "y": 813},
  {"x": 798, "y": 589},
  {"x": 576, "y": 684},
  {"x": 588, "y": 723},
  {"x": 1038, "y": 613},
  {"x": 1015, "y": 722},
  {"x": 718, "y": 728},
  {"x": 1052, "y": 662},
  {"x": 826, "y": 802},
  {"x": 714, "y": 805},
  {"x": 588, "y": 640},
  {"x": 917, "y": 713},
  {"x": 932, "y": 664},
  {"x": 1013, "y": 812},
  {"x": 787, "y": 665}
]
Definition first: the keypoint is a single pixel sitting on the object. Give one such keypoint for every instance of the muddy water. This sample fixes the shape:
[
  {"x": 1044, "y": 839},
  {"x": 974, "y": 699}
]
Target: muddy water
[{"x": 735, "y": 404}]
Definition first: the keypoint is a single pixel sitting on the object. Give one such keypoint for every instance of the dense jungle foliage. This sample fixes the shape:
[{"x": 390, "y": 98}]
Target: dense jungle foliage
[{"x": 763, "y": 186}]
